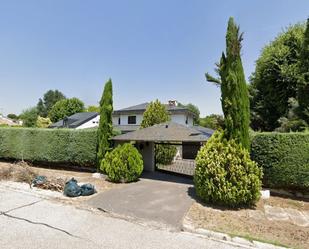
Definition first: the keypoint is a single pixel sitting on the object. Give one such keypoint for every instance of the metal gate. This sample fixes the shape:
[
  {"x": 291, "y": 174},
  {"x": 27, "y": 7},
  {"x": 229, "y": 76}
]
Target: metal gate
[{"x": 175, "y": 158}]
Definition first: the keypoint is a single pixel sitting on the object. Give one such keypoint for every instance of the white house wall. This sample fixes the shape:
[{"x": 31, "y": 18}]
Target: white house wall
[
  {"x": 90, "y": 124},
  {"x": 181, "y": 119}
]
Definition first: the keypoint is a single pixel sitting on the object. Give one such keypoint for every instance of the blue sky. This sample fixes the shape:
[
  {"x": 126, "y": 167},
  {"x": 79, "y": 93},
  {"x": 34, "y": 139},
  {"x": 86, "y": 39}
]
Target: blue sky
[{"x": 151, "y": 49}]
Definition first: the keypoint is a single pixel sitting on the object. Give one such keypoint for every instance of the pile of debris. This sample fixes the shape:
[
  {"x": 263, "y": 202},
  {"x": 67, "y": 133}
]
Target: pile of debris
[
  {"x": 55, "y": 184},
  {"x": 22, "y": 172}
]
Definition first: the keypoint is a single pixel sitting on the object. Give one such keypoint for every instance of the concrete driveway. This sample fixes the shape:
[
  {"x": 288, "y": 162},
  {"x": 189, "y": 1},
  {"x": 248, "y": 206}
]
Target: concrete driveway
[{"x": 158, "y": 198}]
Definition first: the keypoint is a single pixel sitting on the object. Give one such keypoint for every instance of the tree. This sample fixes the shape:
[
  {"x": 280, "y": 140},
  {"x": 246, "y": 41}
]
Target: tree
[
  {"x": 43, "y": 122},
  {"x": 64, "y": 108},
  {"x": 29, "y": 117},
  {"x": 303, "y": 82},
  {"x": 50, "y": 98},
  {"x": 213, "y": 121},
  {"x": 194, "y": 109},
  {"x": 105, "y": 130},
  {"x": 93, "y": 108},
  {"x": 155, "y": 113},
  {"x": 12, "y": 116},
  {"x": 234, "y": 92},
  {"x": 275, "y": 79}
]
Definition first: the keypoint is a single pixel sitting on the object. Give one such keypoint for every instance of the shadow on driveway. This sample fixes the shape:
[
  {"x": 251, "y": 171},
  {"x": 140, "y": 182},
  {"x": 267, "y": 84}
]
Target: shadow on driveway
[{"x": 159, "y": 198}]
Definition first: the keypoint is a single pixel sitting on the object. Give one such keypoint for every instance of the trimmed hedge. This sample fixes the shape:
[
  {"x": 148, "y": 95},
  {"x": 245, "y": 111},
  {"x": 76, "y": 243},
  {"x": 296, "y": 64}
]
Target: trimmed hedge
[
  {"x": 49, "y": 145},
  {"x": 284, "y": 158}
]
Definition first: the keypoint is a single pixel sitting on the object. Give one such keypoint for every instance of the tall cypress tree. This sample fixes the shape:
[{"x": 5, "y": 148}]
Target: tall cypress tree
[
  {"x": 105, "y": 130},
  {"x": 303, "y": 83},
  {"x": 234, "y": 92}
]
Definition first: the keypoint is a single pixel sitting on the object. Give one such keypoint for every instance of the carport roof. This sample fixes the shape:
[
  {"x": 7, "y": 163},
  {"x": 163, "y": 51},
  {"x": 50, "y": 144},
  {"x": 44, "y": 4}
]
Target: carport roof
[{"x": 168, "y": 132}]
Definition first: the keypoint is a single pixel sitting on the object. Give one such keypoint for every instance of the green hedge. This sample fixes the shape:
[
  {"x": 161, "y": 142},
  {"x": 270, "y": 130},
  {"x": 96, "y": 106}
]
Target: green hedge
[
  {"x": 284, "y": 158},
  {"x": 49, "y": 145}
]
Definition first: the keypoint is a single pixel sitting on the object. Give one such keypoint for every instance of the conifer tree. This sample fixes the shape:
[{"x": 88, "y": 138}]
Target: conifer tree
[
  {"x": 105, "y": 130},
  {"x": 234, "y": 92}
]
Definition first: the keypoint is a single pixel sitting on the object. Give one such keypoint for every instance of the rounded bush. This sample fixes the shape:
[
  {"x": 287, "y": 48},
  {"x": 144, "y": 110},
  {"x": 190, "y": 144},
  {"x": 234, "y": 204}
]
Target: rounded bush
[
  {"x": 165, "y": 153},
  {"x": 225, "y": 174},
  {"x": 123, "y": 164}
]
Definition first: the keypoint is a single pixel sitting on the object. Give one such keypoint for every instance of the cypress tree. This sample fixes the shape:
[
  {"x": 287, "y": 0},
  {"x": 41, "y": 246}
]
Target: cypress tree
[
  {"x": 105, "y": 130},
  {"x": 303, "y": 84},
  {"x": 234, "y": 91}
]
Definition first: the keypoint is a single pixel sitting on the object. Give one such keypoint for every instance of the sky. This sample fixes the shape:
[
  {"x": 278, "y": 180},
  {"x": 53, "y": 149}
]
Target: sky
[{"x": 151, "y": 49}]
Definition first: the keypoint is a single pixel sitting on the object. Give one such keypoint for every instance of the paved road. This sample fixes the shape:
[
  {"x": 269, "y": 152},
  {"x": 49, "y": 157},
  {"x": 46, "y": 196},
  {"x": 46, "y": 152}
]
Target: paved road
[
  {"x": 158, "y": 198},
  {"x": 29, "y": 221}
]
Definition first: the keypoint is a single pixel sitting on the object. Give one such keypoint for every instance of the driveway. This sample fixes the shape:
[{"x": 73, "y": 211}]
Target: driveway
[
  {"x": 33, "y": 221},
  {"x": 158, "y": 198}
]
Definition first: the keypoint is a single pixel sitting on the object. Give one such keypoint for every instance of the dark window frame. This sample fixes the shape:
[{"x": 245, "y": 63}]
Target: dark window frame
[{"x": 130, "y": 121}]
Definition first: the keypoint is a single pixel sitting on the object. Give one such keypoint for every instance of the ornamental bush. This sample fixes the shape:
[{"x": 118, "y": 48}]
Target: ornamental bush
[
  {"x": 165, "y": 153},
  {"x": 284, "y": 158},
  {"x": 225, "y": 174},
  {"x": 123, "y": 164}
]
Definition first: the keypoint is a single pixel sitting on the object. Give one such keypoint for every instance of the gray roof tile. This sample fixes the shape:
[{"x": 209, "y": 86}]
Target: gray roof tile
[{"x": 168, "y": 132}]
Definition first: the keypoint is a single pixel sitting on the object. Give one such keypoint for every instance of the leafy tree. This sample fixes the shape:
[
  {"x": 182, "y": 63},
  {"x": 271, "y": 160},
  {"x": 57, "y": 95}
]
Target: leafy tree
[
  {"x": 275, "y": 79},
  {"x": 43, "y": 122},
  {"x": 234, "y": 92},
  {"x": 105, "y": 130},
  {"x": 303, "y": 82},
  {"x": 194, "y": 109},
  {"x": 213, "y": 121},
  {"x": 155, "y": 113},
  {"x": 64, "y": 108},
  {"x": 292, "y": 122},
  {"x": 12, "y": 116},
  {"x": 50, "y": 98},
  {"x": 29, "y": 117},
  {"x": 93, "y": 108}
]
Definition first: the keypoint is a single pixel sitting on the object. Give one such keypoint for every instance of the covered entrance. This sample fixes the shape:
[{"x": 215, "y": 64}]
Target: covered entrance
[{"x": 168, "y": 147}]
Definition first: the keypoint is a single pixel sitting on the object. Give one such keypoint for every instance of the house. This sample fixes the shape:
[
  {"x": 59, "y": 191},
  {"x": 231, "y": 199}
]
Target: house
[
  {"x": 9, "y": 122},
  {"x": 130, "y": 118},
  {"x": 81, "y": 120},
  {"x": 125, "y": 120},
  {"x": 188, "y": 138}
]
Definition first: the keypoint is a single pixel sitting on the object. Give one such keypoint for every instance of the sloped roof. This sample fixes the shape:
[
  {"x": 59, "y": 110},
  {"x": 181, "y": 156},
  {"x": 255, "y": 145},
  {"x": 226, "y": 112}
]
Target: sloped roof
[
  {"x": 75, "y": 120},
  {"x": 168, "y": 132},
  {"x": 142, "y": 107}
]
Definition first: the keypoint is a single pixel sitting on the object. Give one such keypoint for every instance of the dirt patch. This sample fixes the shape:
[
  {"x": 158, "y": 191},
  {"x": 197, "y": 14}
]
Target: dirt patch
[
  {"x": 258, "y": 223},
  {"x": 23, "y": 172}
]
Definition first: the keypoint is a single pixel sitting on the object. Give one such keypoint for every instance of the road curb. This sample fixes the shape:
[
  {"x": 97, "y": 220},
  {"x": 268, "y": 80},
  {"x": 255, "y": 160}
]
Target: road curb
[{"x": 189, "y": 227}]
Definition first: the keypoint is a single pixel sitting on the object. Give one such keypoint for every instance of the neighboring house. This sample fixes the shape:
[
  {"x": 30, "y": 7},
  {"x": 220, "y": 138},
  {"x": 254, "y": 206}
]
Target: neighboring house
[
  {"x": 130, "y": 118},
  {"x": 125, "y": 120},
  {"x": 80, "y": 120},
  {"x": 9, "y": 122}
]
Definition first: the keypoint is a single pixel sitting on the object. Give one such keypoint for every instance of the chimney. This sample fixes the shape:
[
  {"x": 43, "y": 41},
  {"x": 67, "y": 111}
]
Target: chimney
[{"x": 172, "y": 103}]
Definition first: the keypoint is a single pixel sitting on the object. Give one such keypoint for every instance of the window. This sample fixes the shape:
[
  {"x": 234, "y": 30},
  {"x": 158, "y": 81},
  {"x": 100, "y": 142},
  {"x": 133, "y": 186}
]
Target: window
[
  {"x": 131, "y": 119},
  {"x": 118, "y": 121}
]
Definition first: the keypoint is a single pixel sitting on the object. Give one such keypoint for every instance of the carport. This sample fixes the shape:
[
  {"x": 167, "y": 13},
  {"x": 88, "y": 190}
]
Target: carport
[{"x": 188, "y": 138}]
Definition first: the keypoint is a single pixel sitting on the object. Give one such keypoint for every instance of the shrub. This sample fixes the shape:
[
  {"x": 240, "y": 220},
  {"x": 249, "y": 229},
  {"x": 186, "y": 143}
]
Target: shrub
[
  {"x": 225, "y": 174},
  {"x": 123, "y": 164},
  {"x": 49, "y": 145},
  {"x": 284, "y": 158},
  {"x": 165, "y": 153}
]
